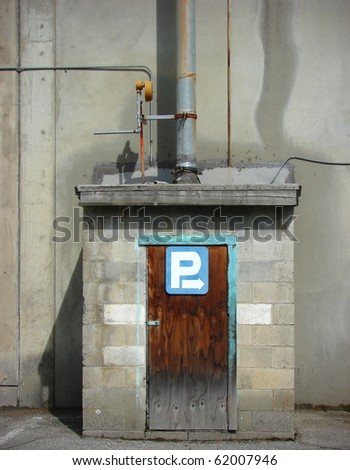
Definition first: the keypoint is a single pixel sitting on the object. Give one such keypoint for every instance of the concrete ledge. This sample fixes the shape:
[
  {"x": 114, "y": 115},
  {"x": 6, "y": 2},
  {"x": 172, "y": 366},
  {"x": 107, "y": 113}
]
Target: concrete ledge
[
  {"x": 189, "y": 435},
  {"x": 167, "y": 435},
  {"x": 189, "y": 195},
  {"x": 117, "y": 434}
]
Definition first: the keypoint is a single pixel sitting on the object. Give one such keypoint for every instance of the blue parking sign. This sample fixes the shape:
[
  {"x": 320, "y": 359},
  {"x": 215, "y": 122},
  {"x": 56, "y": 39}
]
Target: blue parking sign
[{"x": 187, "y": 270}]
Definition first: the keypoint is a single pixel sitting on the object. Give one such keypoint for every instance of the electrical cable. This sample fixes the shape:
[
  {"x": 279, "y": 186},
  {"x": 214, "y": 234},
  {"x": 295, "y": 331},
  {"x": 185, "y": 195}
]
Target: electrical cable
[{"x": 309, "y": 160}]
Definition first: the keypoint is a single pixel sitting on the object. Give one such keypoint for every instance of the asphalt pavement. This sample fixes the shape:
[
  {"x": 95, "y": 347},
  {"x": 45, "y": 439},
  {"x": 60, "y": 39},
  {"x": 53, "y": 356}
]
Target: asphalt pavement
[{"x": 61, "y": 430}]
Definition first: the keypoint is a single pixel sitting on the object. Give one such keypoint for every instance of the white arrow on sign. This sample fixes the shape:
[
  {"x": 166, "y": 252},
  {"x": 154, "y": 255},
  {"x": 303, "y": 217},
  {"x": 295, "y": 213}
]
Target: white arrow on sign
[
  {"x": 178, "y": 269},
  {"x": 192, "y": 283}
]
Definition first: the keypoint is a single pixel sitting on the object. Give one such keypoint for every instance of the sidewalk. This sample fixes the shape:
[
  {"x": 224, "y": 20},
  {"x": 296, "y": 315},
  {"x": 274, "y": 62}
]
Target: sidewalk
[{"x": 41, "y": 429}]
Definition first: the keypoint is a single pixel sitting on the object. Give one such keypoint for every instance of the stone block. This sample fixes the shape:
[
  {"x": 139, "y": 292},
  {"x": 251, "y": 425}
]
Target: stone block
[
  {"x": 123, "y": 335},
  {"x": 103, "y": 377},
  {"x": 115, "y": 293},
  {"x": 263, "y": 250},
  {"x": 119, "y": 271},
  {"x": 114, "y": 407},
  {"x": 254, "y": 271},
  {"x": 283, "y": 314},
  {"x": 284, "y": 249},
  {"x": 273, "y": 421},
  {"x": 283, "y": 400},
  {"x": 90, "y": 293},
  {"x": 273, "y": 335},
  {"x": 279, "y": 249},
  {"x": 92, "y": 350},
  {"x": 120, "y": 314},
  {"x": 254, "y": 314},
  {"x": 91, "y": 269},
  {"x": 271, "y": 292},
  {"x": 106, "y": 419},
  {"x": 123, "y": 250},
  {"x": 124, "y": 355},
  {"x": 271, "y": 379},
  {"x": 135, "y": 377},
  {"x": 245, "y": 250},
  {"x": 135, "y": 292},
  {"x": 254, "y": 356},
  {"x": 283, "y": 357},
  {"x": 283, "y": 271},
  {"x": 100, "y": 398},
  {"x": 92, "y": 315},
  {"x": 245, "y": 420},
  {"x": 250, "y": 400},
  {"x": 245, "y": 378},
  {"x": 97, "y": 250},
  {"x": 244, "y": 292},
  {"x": 244, "y": 335},
  {"x": 95, "y": 296}
]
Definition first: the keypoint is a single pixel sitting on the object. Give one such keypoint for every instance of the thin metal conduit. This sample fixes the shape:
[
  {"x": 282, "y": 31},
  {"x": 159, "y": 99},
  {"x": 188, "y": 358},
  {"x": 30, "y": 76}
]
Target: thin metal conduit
[
  {"x": 228, "y": 82},
  {"x": 105, "y": 68},
  {"x": 92, "y": 68}
]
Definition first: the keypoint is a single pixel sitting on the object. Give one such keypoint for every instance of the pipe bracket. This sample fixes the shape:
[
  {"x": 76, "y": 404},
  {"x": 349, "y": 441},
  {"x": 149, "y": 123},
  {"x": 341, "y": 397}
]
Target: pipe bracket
[{"x": 185, "y": 115}]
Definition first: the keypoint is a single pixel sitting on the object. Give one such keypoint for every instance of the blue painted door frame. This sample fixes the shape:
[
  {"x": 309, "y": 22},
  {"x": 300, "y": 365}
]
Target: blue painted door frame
[{"x": 231, "y": 243}]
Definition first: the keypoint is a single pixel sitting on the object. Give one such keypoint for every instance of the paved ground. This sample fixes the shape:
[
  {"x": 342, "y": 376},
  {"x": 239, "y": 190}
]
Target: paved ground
[{"x": 40, "y": 429}]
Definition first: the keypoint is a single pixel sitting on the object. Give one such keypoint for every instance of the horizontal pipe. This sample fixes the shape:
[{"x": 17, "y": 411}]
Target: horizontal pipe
[
  {"x": 95, "y": 68},
  {"x": 159, "y": 117},
  {"x": 102, "y": 68},
  {"x": 125, "y": 131}
]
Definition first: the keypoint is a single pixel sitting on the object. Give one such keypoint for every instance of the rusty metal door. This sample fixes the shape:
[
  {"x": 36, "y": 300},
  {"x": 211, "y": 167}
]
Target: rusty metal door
[{"x": 188, "y": 349}]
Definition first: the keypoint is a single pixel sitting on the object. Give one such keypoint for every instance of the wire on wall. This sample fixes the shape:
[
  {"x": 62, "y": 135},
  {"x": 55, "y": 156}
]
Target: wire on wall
[{"x": 309, "y": 160}]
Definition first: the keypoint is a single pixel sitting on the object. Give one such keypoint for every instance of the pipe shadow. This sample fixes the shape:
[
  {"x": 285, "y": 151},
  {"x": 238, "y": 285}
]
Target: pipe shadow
[
  {"x": 126, "y": 164},
  {"x": 166, "y": 82}
]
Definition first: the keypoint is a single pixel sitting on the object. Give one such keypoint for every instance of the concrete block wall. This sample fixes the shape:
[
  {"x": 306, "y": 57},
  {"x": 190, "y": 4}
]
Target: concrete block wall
[
  {"x": 114, "y": 339},
  {"x": 265, "y": 336},
  {"x": 115, "y": 342}
]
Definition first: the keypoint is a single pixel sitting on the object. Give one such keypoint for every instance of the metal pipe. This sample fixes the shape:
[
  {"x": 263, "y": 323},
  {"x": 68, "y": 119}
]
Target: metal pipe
[
  {"x": 105, "y": 68},
  {"x": 228, "y": 82},
  {"x": 101, "y": 68},
  {"x": 186, "y": 81}
]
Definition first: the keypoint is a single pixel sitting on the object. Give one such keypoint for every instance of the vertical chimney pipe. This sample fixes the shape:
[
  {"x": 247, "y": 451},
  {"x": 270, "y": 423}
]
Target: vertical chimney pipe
[{"x": 186, "y": 90}]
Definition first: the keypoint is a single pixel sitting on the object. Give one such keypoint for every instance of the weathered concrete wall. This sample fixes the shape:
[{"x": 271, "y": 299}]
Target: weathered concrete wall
[
  {"x": 291, "y": 98},
  {"x": 290, "y": 73},
  {"x": 8, "y": 207},
  {"x": 37, "y": 204}
]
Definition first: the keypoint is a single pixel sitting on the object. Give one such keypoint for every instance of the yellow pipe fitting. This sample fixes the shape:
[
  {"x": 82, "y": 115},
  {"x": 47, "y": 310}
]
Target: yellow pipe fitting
[{"x": 147, "y": 87}]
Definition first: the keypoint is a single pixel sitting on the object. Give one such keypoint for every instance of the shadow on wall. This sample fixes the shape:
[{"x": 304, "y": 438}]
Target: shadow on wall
[
  {"x": 65, "y": 390},
  {"x": 166, "y": 82},
  {"x": 280, "y": 68},
  {"x": 126, "y": 163}
]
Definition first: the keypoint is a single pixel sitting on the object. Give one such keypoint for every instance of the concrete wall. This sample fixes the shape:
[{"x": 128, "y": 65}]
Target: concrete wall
[
  {"x": 290, "y": 71},
  {"x": 8, "y": 207}
]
